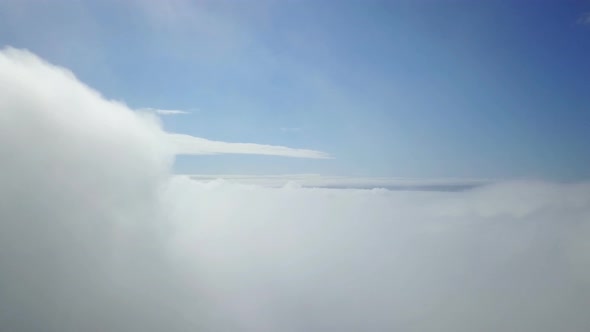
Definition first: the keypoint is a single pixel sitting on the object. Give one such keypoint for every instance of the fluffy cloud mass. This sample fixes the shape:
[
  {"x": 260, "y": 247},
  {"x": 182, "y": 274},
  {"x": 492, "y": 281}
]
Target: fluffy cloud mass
[{"x": 96, "y": 235}]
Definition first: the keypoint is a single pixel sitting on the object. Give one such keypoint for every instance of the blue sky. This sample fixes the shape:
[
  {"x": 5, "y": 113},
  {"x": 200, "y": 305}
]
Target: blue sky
[{"x": 478, "y": 89}]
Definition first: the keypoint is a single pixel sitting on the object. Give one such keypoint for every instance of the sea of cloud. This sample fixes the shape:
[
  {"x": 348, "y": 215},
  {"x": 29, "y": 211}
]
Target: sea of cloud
[{"x": 97, "y": 235}]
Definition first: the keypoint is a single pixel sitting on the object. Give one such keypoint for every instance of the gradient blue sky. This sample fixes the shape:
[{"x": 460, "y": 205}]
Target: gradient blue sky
[{"x": 479, "y": 89}]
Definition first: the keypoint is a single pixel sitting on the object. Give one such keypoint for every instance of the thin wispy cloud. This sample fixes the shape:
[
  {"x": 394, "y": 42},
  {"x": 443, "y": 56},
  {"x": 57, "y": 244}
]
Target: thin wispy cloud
[
  {"x": 164, "y": 111},
  {"x": 191, "y": 145},
  {"x": 584, "y": 19},
  {"x": 291, "y": 129}
]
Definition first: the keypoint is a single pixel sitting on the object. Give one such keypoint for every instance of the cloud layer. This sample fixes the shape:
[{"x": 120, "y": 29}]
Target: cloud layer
[{"x": 97, "y": 236}]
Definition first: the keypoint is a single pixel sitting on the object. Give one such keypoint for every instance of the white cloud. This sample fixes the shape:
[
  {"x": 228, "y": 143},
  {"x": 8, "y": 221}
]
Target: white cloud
[
  {"x": 79, "y": 198},
  {"x": 163, "y": 112},
  {"x": 186, "y": 144},
  {"x": 97, "y": 236}
]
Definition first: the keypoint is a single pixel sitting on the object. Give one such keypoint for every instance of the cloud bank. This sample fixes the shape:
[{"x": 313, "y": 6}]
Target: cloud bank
[{"x": 97, "y": 235}]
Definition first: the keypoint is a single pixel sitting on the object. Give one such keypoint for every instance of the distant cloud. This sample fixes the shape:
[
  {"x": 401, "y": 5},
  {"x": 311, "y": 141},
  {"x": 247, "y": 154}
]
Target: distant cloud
[
  {"x": 163, "y": 111},
  {"x": 584, "y": 19},
  {"x": 191, "y": 145},
  {"x": 344, "y": 182}
]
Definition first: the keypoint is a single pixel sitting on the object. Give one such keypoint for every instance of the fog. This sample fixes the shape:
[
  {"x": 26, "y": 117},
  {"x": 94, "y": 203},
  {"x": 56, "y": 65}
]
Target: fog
[{"x": 96, "y": 234}]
